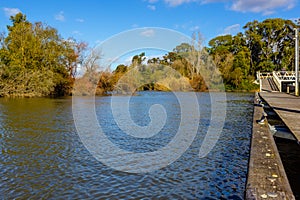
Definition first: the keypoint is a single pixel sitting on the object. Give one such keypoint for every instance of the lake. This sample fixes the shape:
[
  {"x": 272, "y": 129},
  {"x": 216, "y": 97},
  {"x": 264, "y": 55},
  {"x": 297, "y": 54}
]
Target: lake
[{"x": 43, "y": 157}]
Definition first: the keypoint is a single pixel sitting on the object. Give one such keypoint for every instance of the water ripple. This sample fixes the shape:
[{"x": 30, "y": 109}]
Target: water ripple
[{"x": 41, "y": 156}]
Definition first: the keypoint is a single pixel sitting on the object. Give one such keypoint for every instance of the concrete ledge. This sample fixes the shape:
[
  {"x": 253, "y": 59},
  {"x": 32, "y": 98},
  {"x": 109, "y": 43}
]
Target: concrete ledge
[{"x": 266, "y": 176}]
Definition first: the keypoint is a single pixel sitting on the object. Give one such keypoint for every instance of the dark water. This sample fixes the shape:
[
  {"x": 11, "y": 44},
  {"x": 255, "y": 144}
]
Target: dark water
[
  {"x": 290, "y": 157},
  {"x": 41, "y": 155}
]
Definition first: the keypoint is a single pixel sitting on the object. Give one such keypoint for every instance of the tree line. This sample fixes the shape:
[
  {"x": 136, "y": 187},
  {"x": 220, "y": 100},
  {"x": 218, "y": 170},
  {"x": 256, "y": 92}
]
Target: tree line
[
  {"x": 36, "y": 61},
  {"x": 183, "y": 69}
]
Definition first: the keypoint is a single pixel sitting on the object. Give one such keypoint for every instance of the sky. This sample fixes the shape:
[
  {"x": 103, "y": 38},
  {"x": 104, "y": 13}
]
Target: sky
[{"x": 96, "y": 21}]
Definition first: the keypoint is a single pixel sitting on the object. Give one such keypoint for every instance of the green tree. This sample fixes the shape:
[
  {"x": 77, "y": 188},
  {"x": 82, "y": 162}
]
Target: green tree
[
  {"x": 265, "y": 46},
  {"x": 35, "y": 60},
  {"x": 269, "y": 43}
]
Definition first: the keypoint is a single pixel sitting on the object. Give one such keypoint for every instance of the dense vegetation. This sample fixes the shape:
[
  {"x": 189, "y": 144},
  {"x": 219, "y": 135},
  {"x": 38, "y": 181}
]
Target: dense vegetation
[
  {"x": 265, "y": 46},
  {"x": 36, "y": 61},
  {"x": 155, "y": 74}
]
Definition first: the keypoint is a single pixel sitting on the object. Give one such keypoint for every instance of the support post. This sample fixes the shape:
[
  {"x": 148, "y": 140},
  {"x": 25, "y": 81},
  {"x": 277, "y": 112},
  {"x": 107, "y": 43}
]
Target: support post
[
  {"x": 296, "y": 62},
  {"x": 259, "y": 77}
]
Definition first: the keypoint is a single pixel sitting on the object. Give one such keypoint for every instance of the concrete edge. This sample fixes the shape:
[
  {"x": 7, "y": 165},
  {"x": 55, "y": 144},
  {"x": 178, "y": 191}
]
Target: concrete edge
[{"x": 266, "y": 175}]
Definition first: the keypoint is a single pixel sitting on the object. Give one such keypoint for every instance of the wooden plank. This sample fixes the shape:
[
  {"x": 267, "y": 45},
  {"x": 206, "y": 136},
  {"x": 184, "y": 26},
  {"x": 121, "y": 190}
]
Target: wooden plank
[{"x": 266, "y": 175}]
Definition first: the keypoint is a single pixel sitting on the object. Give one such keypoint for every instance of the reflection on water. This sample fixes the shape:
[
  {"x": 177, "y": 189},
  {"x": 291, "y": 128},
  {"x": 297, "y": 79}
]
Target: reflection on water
[{"x": 41, "y": 155}]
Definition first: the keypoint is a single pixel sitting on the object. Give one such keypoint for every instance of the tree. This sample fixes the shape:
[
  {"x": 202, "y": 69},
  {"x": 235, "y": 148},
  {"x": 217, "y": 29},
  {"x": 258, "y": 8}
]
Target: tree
[
  {"x": 35, "y": 60},
  {"x": 264, "y": 46},
  {"x": 221, "y": 43},
  {"x": 269, "y": 43},
  {"x": 138, "y": 59}
]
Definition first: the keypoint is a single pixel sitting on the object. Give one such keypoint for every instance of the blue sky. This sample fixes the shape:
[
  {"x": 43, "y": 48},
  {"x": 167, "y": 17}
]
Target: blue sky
[{"x": 93, "y": 21}]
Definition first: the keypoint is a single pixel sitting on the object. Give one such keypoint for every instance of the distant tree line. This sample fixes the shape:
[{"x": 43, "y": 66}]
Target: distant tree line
[
  {"x": 155, "y": 75},
  {"x": 36, "y": 61},
  {"x": 264, "y": 46}
]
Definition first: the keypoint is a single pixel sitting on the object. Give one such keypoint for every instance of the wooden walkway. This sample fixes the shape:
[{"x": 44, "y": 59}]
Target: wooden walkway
[
  {"x": 266, "y": 175},
  {"x": 268, "y": 85},
  {"x": 288, "y": 109}
]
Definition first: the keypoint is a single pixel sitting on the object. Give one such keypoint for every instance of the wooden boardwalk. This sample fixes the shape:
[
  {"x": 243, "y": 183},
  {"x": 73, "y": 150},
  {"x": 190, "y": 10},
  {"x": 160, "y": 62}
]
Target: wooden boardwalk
[
  {"x": 266, "y": 175},
  {"x": 287, "y": 107}
]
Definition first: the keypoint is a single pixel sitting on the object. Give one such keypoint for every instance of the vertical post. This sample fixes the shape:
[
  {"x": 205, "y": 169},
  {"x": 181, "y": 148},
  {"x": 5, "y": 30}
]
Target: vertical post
[
  {"x": 296, "y": 62},
  {"x": 260, "y": 85},
  {"x": 260, "y": 81},
  {"x": 259, "y": 77}
]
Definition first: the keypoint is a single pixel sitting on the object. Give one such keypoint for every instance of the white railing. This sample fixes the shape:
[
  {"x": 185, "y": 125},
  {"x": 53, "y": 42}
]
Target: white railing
[
  {"x": 277, "y": 81},
  {"x": 278, "y": 76},
  {"x": 264, "y": 75},
  {"x": 283, "y": 76}
]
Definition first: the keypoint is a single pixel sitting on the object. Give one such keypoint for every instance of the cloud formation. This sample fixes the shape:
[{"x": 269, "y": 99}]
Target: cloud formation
[
  {"x": 80, "y": 20},
  {"x": 174, "y": 3},
  {"x": 232, "y": 30},
  {"x": 195, "y": 28},
  {"x": 78, "y": 33},
  {"x": 262, "y": 6},
  {"x": 148, "y": 33},
  {"x": 11, "y": 11},
  {"x": 256, "y": 6},
  {"x": 60, "y": 16},
  {"x": 151, "y": 7}
]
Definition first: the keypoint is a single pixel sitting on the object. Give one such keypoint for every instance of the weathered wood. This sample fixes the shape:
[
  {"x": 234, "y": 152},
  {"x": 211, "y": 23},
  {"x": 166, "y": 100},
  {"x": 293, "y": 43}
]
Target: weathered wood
[
  {"x": 288, "y": 109},
  {"x": 266, "y": 175}
]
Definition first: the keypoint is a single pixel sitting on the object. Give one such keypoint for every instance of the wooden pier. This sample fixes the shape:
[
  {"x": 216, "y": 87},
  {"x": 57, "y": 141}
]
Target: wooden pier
[
  {"x": 287, "y": 108},
  {"x": 266, "y": 175}
]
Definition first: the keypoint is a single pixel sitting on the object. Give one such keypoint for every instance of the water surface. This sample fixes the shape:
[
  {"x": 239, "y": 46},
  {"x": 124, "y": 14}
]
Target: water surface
[{"x": 41, "y": 155}]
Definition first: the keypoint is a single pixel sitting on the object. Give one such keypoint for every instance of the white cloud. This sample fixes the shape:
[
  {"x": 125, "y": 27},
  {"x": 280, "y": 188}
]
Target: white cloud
[
  {"x": 77, "y": 33},
  {"x": 151, "y": 7},
  {"x": 195, "y": 28},
  {"x": 262, "y": 6},
  {"x": 257, "y": 6},
  {"x": 152, "y": 1},
  {"x": 80, "y": 20},
  {"x": 213, "y": 1},
  {"x": 148, "y": 33},
  {"x": 232, "y": 30},
  {"x": 174, "y": 3},
  {"x": 60, "y": 16},
  {"x": 11, "y": 11}
]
